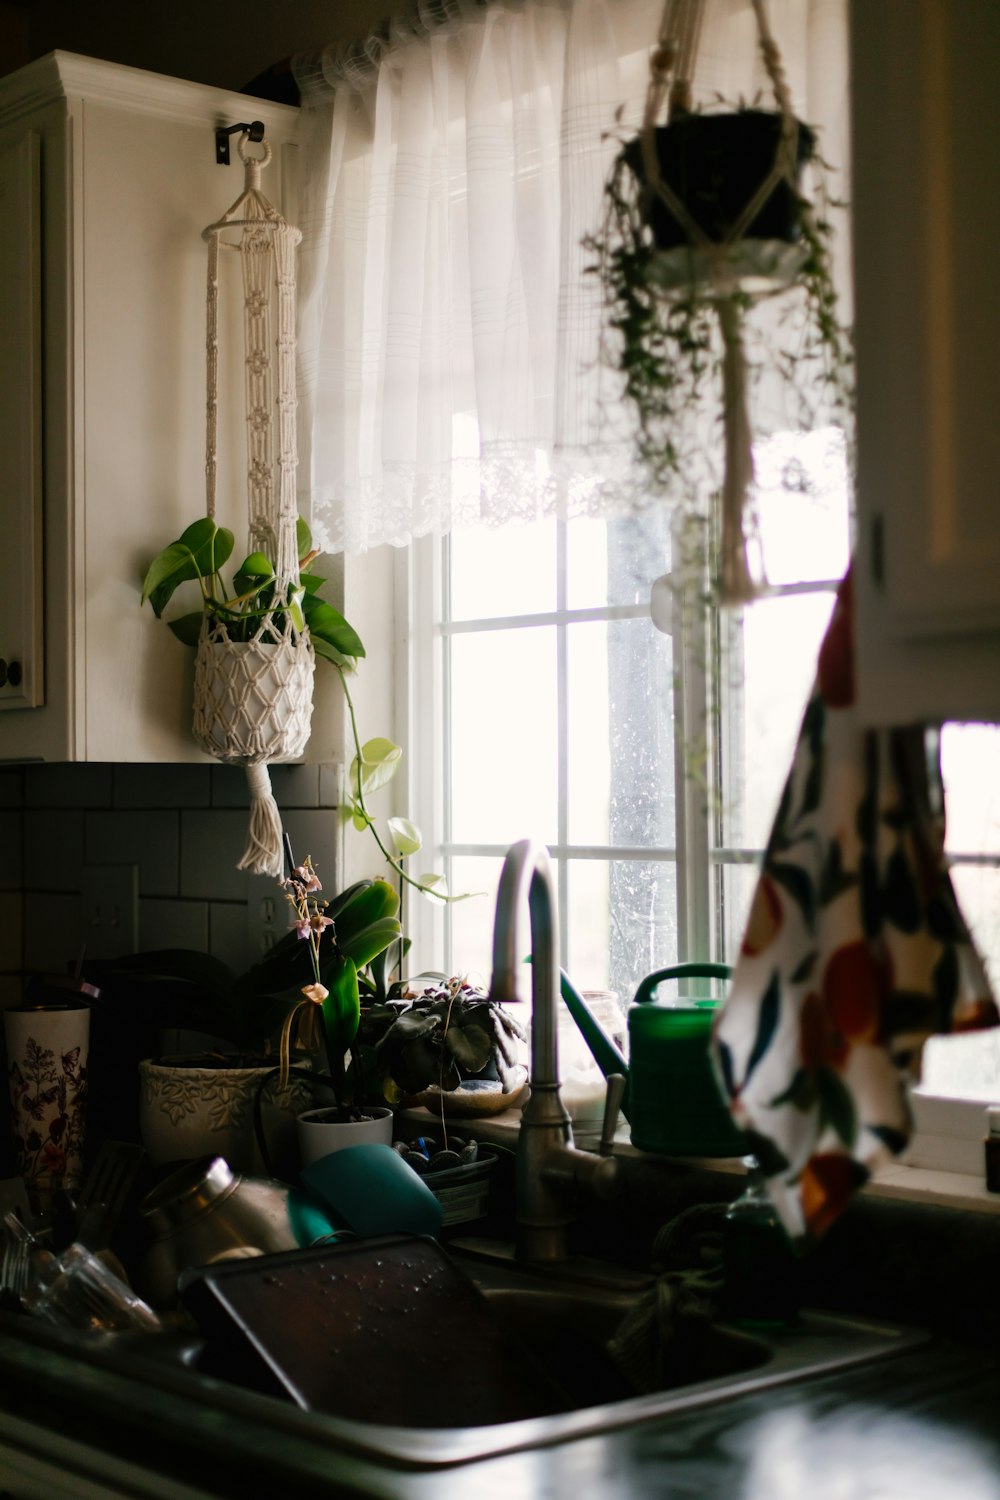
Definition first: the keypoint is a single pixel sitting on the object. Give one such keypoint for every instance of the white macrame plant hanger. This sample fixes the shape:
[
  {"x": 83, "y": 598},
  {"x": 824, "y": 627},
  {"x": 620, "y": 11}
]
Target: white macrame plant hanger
[
  {"x": 253, "y": 697},
  {"x": 754, "y": 267}
]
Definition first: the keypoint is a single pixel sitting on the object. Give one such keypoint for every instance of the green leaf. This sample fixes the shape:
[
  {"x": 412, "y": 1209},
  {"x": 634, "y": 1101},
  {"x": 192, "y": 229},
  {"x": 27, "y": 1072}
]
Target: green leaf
[
  {"x": 174, "y": 565},
  {"x": 405, "y": 835},
  {"x": 200, "y": 551},
  {"x": 303, "y": 538},
  {"x": 330, "y": 653},
  {"x": 311, "y": 582},
  {"x": 470, "y": 1046},
  {"x": 187, "y": 628},
  {"x": 362, "y": 946},
  {"x": 379, "y": 762},
  {"x": 341, "y": 1012},
  {"x": 328, "y": 624},
  {"x": 257, "y": 565},
  {"x": 370, "y": 901}
]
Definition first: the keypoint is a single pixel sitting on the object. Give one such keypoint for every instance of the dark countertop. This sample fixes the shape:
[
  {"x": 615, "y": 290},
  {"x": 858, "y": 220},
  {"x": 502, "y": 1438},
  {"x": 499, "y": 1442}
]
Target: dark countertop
[{"x": 919, "y": 1424}]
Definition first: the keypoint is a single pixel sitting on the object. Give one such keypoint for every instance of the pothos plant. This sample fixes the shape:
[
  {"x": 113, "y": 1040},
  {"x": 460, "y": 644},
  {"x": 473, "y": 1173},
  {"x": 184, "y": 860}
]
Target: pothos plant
[
  {"x": 679, "y": 305},
  {"x": 198, "y": 557}
]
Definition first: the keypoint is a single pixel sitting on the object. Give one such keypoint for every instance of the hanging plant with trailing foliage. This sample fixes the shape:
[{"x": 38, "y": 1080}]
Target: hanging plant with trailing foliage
[{"x": 708, "y": 246}]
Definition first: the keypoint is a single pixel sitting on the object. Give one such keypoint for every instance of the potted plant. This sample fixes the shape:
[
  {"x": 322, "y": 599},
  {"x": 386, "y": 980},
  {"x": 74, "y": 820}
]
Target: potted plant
[
  {"x": 445, "y": 1043},
  {"x": 707, "y": 240},
  {"x": 301, "y": 997},
  {"x": 236, "y": 614}
]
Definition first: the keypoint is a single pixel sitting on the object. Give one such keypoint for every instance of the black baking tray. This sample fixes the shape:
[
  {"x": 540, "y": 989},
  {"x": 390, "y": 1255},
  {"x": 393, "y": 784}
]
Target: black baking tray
[{"x": 385, "y": 1330}]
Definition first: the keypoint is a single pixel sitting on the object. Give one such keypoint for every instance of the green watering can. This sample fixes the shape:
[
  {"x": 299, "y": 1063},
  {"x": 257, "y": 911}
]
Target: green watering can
[{"x": 672, "y": 1100}]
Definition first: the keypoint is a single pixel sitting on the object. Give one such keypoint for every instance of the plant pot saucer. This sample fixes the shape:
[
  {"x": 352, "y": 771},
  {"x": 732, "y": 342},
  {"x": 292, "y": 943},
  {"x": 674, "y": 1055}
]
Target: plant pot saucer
[
  {"x": 756, "y": 268},
  {"x": 476, "y": 1096}
]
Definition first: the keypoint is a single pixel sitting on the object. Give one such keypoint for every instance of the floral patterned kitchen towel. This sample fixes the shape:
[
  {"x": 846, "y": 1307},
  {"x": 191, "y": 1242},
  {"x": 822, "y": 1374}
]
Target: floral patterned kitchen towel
[{"x": 855, "y": 952}]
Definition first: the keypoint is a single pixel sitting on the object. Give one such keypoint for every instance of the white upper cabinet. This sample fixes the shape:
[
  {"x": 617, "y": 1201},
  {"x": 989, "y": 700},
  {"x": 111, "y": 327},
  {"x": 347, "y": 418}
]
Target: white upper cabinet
[
  {"x": 926, "y": 200},
  {"x": 21, "y": 656},
  {"x": 104, "y": 432}
]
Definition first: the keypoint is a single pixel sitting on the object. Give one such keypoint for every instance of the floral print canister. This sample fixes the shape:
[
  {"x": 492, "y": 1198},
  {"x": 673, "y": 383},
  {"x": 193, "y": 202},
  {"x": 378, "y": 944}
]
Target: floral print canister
[{"x": 47, "y": 1049}]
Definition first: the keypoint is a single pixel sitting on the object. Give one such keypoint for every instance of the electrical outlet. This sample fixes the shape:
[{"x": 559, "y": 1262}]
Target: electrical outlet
[
  {"x": 267, "y": 915},
  {"x": 110, "y": 906}
]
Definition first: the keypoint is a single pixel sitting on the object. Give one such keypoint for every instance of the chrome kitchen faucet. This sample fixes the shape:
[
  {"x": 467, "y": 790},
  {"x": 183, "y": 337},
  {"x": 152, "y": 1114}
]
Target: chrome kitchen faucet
[{"x": 550, "y": 1168}]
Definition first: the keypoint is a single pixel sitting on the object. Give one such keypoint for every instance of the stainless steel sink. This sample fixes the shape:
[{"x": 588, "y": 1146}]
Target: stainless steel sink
[{"x": 564, "y": 1320}]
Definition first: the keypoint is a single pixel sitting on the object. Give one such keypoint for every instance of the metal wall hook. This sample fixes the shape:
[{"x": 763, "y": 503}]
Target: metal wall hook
[{"x": 254, "y": 129}]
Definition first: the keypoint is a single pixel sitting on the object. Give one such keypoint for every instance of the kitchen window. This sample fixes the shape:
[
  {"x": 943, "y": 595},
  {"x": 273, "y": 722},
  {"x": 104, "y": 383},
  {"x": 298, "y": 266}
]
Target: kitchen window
[{"x": 650, "y": 761}]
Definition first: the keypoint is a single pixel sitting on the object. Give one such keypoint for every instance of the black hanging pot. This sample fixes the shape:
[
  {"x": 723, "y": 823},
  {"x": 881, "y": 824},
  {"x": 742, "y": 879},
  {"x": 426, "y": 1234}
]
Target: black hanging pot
[{"x": 715, "y": 164}]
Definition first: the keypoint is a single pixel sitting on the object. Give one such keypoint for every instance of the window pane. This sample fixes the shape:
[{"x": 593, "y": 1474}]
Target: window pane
[
  {"x": 970, "y": 765},
  {"x": 506, "y": 571},
  {"x": 738, "y": 884},
  {"x": 621, "y": 743},
  {"x": 963, "y": 1067},
  {"x": 503, "y": 736},
  {"x": 642, "y": 925},
  {"x": 615, "y": 562},
  {"x": 801, "y": 494},
  {"x": 472, "y": 919},
  {"x": 781, "y": 641}
]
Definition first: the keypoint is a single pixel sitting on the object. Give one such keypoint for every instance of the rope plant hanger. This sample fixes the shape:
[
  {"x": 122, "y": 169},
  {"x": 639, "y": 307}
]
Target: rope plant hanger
[
  {"x": 254, "y": 671},
  {"x": 703, "y": 220},
  {"x": 724, "y": 262}
]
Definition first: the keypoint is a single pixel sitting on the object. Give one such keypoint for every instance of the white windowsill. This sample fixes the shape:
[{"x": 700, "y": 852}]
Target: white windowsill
[{"x": 905, "y": 1183}]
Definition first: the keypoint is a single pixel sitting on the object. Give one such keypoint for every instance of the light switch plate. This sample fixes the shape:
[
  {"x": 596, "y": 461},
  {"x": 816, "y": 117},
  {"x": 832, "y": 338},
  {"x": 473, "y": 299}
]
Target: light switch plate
[{"x": 110, "y": 905}]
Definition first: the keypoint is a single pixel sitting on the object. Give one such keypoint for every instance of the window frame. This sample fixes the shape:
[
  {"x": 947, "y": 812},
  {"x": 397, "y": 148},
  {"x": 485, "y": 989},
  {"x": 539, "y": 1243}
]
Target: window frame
[{"x": 948, "y": 1131}]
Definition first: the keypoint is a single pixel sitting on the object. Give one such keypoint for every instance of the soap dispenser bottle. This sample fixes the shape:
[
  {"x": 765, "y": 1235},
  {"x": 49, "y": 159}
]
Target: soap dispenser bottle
[{"x": 760, "y": 1267}]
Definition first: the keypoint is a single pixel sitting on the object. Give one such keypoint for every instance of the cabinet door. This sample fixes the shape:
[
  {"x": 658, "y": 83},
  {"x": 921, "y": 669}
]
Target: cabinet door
[
  {"x": 21, "y": 679},
  {"x": 925, "y": 80}
]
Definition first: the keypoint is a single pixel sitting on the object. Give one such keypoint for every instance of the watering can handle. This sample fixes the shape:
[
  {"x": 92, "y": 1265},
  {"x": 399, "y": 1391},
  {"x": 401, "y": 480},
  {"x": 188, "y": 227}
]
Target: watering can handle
[{"x": 648, "y": 986}]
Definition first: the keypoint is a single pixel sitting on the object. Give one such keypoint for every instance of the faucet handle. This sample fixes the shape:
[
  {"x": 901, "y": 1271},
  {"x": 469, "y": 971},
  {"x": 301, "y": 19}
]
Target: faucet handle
[{"x": 612, "y": 1105}]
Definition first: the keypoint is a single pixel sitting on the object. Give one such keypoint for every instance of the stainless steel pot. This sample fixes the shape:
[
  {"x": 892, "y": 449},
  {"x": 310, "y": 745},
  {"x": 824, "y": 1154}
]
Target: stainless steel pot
[{"x": 205, "y": 1213}]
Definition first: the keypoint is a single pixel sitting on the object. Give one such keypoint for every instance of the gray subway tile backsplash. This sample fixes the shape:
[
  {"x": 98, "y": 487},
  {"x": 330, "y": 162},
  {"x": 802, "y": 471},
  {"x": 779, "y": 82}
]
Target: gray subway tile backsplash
[
  {"x": 55, "y": 931},
  {"x": 11, "y": 865},
  {"x": 173, "y": 924},
  {"x": 172, "y": 786},
  {"x": 53, "y": 848},
  {"x": 58, "y": 785},
  {"x": 184, "y": 826},
  {"x": 293, "y": 786}
]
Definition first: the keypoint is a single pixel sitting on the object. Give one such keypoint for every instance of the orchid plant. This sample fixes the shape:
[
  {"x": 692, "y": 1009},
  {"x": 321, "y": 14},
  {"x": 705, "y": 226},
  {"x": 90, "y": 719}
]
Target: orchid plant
[{"x": 330, "y": 1008}]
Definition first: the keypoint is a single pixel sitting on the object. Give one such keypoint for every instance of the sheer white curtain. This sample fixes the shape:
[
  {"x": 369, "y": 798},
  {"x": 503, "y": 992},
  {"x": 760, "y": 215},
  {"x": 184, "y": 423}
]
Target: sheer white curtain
[{"x": 449, "y": 334}]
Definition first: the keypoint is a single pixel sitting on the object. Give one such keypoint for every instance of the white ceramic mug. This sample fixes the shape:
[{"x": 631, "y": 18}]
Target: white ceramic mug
[{"x": 320, "y": 1132}]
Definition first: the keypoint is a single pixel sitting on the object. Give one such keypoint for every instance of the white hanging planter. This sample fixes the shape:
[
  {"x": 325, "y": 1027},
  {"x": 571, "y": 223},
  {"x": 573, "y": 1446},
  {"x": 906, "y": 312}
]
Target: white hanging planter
[{"x": 253, "y": 698}]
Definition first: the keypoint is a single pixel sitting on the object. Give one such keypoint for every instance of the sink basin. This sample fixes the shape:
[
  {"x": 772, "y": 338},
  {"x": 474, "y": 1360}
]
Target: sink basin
[
  {"x": 457, "y": 1391},
  {"x": 560, "y": 1324}
]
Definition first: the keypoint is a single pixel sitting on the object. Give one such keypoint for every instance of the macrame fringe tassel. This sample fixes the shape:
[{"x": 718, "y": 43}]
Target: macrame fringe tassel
[
  {"x": 736, "y": 585},
  {"x": 264, "y": 851}
]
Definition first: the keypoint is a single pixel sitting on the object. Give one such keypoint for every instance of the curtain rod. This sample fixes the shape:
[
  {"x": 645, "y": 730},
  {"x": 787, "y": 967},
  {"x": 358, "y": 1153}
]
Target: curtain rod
[{"x": 319, "y": 71}]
